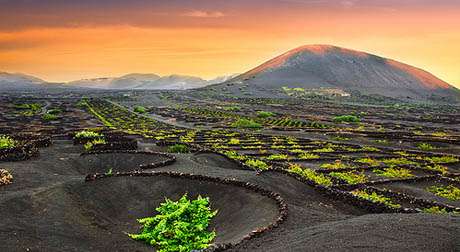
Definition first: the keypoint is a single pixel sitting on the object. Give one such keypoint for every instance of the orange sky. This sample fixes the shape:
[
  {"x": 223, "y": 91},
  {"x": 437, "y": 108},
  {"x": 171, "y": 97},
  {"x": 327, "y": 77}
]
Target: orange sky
[{"x": 212, "y": 40}]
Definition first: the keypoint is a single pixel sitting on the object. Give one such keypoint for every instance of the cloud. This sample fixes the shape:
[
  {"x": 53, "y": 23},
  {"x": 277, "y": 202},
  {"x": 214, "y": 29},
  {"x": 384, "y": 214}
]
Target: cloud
[{"x": 204, "y": 14}]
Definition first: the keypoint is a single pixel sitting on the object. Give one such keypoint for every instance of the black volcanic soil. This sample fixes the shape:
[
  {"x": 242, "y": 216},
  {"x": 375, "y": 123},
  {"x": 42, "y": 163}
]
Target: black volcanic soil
[{"x": 49, "y": 207}]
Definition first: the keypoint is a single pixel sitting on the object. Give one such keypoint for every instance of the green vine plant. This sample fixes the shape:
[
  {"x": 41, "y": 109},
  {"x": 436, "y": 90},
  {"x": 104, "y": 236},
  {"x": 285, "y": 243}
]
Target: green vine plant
[{"x": 179, "y": 225}]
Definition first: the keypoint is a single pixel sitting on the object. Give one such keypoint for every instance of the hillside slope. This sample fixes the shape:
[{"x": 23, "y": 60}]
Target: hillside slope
[{"x": 330, "y": 67}]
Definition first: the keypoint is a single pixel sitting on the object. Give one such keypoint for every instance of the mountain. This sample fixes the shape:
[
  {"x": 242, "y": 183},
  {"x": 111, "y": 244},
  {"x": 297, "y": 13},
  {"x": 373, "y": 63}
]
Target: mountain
[
  {"x": 328, "y": 67},
  {"x": 19, "y": 81},
  {"x": 149, "y": 81}
]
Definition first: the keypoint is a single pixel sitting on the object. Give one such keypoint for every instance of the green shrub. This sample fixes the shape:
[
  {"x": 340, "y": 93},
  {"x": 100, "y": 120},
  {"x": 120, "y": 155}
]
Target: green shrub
[
  {"x": 49, "y": 117},
  {"x": 309, "y": 174},
  {"x": 442, "y": 159},
  {"x": 234, "y": 155},
  {"x": 7, "y": 142},
  {"x": 264, "y": 114},
  {"x": 234, "y": 141},
  {"x": 351, "y": 178},
  {"x": 337, "y": 165},
  {"x": 394, "y": 172},
  {"x": 179, "y": 225},
  {"x": 375, "y": 197},
  {"x": 346, "y": 118},
  {"x": 257, "y": 164},
  {"x": 368, "y": 161},
  {"x": 88, "y": 134},
  {"x": 278, "y": 157},
  {"x": 449, "y": 192},
  {"x": 307, "y": 156},
  {"x": 246, "y": 123},
  {"x": 178, "y": 148},
  {"x": 425, "y": 146},
  {"x": 140, "y": 109},
  {"x": 89, "y": 145},
  {"x": 435, "y": 210}
]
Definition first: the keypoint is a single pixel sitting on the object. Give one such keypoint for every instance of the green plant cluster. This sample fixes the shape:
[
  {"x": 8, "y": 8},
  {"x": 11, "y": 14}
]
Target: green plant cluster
[
  {"x": 449, "y": 192},
  {"x": 375, "y": 197},
  {"x": 393, "y": 172},
  {"x": 425, "y": 146},
  {"x": 246, "y": 123},
  {"x": 350, "y": 178},
  {"x": 309, "y": 174},
  {"x": 90, "y": 145},
  {"x": 257, "y": 164},
  {"x": 346, "y": 118},
  {"x": 140, "y": 110},
  {"x": 264, "y": 114},
  {"x": 179, "y": 225},
  {"x": 178, "y": 148},
  {"x": 49, "y": 117},
  {"x": 88, "y": 134},
  {"x": 7, "y": 142}
]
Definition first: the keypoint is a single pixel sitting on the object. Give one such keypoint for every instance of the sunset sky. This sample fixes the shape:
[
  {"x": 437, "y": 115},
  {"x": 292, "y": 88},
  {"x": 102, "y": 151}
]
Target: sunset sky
[{"x": 68, "y": 40}]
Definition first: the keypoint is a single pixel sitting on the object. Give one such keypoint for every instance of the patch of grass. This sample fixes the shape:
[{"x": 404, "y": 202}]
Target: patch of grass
[
  {"x": 394, "y": 172},
  {"x": 351, "y": 178},
  {"x": 375, "y": 198},
  {"x": 140, "y": 110},
  {"x": 346, "y": 118},
  {"x": 179, "y": 225},
  {"x": 449, "y": 192},
  {"x": 7, "y": 142},
  {"x": 5, "y": 177},
  {"x": 309, "y": 174},
  {"x": 178, "y": 148},
  {"x": 257, "y": 164},
  {"x": 425, "y": 146},
  {"x": 246, "y": 123},
  {"x": 264, "y": 114}
]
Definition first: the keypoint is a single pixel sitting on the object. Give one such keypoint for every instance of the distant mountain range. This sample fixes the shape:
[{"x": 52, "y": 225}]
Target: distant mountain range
[
  {"x": 316, "y": 67},
  {"x": 313, "y": 69},
  {"x": 130, "y": 81}
]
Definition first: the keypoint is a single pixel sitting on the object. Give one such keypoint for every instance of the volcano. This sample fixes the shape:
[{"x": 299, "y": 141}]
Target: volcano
[{"x": 331, "y": 67}]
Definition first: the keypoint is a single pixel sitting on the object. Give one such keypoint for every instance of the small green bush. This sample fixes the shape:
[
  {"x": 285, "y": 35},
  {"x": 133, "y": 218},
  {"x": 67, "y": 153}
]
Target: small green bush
[
  {"x": 140, "y": 109},
  {"x": 394, "y": 172},
  {"x": 351, "y": 178},
  {"x": 246, "y": 123},
  {"x": 257, "y": 164},
  {"x": 309, "y": 174},
  {"x": 7, "y": 142},
  {"x": 346, "y": 118},
  {"x": 449, "y": 192},
  {"x": 179, "y": 225},
  {"x": 49, "y": 117},
  {"x": 425, "y": 146},
  {"x": 264, "y": 114},
  {"x": 375, "y": 197},
  {"x": 178, "y": 148},
  {"x": 88, "y": 134}
]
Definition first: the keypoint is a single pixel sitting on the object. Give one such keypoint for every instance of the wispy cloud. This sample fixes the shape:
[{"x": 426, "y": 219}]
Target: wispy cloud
[{"x": 204, "y": 14}]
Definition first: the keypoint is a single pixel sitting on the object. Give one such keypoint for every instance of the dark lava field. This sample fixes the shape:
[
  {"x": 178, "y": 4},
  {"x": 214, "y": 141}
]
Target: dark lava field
[{"x": 285, "y": 174}]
